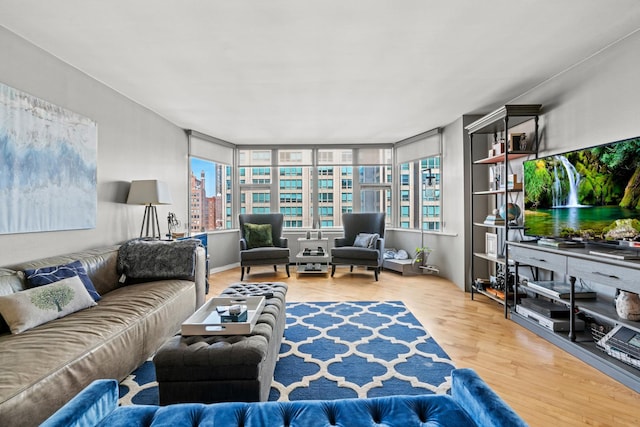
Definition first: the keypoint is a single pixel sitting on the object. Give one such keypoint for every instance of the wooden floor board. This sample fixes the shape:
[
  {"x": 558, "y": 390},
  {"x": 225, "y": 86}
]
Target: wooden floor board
[{"x": 544, "y": 384}]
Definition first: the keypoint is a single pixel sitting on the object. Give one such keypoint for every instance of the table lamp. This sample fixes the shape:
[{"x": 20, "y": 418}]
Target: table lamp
[{"x": 149, "y": 192}]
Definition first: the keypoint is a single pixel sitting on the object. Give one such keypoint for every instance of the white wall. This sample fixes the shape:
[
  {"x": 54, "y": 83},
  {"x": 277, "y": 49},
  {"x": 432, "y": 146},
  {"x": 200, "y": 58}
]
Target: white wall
[
  {"x": 133, "y": 143},
  {"x": 595, "y": 102}
]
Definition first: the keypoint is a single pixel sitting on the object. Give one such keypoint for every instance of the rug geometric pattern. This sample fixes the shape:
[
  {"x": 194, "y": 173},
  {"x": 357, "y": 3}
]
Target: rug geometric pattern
[
  {"x": 337, "y": 350},
  {"x": 334, "y": 350}
]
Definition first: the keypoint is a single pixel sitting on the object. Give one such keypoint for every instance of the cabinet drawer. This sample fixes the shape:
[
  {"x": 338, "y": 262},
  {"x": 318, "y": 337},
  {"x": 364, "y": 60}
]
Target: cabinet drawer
[
  {"x": 605, "y": 274},
  {"x": 537, "y": 258}
]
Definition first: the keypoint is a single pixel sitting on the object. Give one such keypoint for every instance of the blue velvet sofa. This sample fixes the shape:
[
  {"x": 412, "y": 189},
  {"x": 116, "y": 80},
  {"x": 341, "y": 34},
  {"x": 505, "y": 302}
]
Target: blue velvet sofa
[{"x": 471, "y": 403}]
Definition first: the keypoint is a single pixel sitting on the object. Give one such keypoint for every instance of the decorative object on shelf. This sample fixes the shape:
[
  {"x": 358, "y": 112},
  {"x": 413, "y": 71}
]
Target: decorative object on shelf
[
  {"x": 511, "y": 212},
  {"x": 308, "y": 235},
  {"x": 319, "y": 234},
  {"x": 628, "y": 305},
  {"x": 495, "y": 177},
  {"x": 491, "y": 244},
  {"x": 174, "y": 224},
  {"x": 517, "y": 141},
  {"x": 500, "y": 282},
  {"x": 149, "y": 192},
  {"x": 513, "y": 183},
  {"x": 494, "y": 219}
]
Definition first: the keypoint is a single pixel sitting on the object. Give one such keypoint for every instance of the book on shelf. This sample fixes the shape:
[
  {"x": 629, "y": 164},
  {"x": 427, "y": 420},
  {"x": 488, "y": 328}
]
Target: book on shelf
[
  {"x": 561, "y": 290},
  {"x": 616, "y": 253},
  {"x": 494, "y": 220}
]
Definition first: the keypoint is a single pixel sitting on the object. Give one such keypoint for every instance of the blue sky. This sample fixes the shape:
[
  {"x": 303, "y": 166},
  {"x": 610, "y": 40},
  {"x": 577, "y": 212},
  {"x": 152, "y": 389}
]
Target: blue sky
[{"x": 199, "y": 165}]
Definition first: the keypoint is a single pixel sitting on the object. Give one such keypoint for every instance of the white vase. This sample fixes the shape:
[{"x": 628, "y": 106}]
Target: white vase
[{"x": 628, "y": 305}]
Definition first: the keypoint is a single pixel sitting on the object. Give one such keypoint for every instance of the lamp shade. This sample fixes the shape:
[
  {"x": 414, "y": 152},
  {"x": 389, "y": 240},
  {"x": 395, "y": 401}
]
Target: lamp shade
[{"x": 149, "y": 192}]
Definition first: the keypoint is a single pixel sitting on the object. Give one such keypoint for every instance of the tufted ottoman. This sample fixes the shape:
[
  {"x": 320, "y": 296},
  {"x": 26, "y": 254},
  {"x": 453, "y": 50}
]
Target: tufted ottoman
[{"x": 225, "y": 368}]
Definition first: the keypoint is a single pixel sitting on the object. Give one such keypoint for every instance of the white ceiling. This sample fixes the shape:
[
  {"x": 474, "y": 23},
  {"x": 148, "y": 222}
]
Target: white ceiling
[{"x": 320, "y": 71}]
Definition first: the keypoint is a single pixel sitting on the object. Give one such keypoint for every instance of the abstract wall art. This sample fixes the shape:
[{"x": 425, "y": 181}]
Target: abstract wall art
[{"x": 48, "y": 166}]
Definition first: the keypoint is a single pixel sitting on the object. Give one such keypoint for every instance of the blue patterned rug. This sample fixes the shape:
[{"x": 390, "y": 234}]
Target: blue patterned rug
[{"x": 334, "y": 350}]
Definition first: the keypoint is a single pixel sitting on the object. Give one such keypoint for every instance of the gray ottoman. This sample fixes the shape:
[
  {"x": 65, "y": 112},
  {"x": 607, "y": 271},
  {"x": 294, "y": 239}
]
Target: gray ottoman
[{"x": 219, "y": 368}]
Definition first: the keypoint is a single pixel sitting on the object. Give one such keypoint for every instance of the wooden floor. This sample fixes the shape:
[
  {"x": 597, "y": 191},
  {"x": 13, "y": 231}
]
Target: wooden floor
[{"x": 542, "y": 383}]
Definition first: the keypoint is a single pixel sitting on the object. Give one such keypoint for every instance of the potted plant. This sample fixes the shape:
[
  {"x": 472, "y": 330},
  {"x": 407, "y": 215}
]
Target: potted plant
[{"x": 421, "y": 256}]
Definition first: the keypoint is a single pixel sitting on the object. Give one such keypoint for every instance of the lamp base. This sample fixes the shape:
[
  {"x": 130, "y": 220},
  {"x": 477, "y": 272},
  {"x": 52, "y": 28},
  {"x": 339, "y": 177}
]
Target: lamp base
[{"x": 150, "y": 218}]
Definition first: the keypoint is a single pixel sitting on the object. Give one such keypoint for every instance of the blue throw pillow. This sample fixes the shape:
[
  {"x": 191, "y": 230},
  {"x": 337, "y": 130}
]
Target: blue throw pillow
[{"x": 46, "y": 275}]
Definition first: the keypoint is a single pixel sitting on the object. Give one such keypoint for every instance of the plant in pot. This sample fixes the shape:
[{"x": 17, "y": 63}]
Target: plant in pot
[{"x": 420, "y": 257}]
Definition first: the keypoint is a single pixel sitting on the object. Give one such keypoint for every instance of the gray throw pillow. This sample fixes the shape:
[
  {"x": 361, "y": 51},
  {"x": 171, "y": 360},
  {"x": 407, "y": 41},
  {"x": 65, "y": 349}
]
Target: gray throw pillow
[
  {"x": 27, "y": 309},
  {"x": 366, "y": 240}
]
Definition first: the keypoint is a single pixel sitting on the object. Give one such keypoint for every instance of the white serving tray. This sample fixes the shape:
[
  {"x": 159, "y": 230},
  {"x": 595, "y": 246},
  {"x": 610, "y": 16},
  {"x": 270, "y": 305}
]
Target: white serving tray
[{"x": 206, "y": 321}]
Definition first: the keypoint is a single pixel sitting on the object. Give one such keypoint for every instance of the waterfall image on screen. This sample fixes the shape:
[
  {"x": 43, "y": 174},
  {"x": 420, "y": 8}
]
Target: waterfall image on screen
[{"x": 582, "y": 192}]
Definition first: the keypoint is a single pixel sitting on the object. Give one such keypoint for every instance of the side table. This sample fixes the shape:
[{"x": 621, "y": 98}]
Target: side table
[{"x": 313, "y": 256}]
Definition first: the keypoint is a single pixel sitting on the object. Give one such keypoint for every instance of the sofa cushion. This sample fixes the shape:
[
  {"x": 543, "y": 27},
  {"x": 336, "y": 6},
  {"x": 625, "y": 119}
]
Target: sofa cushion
[
  {"x": 10, "y": 281},
  {"x": 258, "y": 235},
  {"x": 32, "y": 307},
  {"x": 46, "y": 275}
]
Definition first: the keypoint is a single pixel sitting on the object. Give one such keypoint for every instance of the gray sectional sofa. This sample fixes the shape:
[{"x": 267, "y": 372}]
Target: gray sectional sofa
[{"x": 45, "y": 366}]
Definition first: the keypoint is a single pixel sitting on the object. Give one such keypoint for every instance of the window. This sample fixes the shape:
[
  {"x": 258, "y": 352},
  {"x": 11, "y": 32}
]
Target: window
[
  {"x": 210, "y": 195},
  {"x": 315, "y": 186},
  {"x": 261, "y": 198},
  {"x": 420, "y": 188}
]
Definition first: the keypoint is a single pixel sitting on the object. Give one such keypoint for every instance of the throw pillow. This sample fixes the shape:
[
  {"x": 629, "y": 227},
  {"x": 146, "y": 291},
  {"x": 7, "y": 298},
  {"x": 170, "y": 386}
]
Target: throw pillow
[
  {"x": 26, "y": 309},
  {"x": 366, "y": 240},
  {"x": 258, "y": 235},
  {"x": 47, "y": 275}
]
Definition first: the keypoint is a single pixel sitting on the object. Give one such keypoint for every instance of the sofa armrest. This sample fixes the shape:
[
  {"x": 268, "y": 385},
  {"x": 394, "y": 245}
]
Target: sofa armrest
[
  {"x": 243, "y": 244},
  {"x": 201, "y": 276},
  {"x": 87, "y": 408},
  {"x": 482, "y": 404}
]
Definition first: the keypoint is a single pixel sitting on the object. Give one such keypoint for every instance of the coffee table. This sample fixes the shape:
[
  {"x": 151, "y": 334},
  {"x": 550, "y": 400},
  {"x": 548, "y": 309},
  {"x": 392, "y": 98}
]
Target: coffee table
[{"x": 224, "y": 367}]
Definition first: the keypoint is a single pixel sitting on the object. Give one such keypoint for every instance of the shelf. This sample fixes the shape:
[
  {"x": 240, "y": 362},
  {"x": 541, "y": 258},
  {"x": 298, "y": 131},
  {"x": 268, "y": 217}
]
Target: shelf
[
  {"x": 500, "y": 158},
  {"x": 492, "y": 192},
  {"x": 585, "y": 349},
  {"x": 499, "y": 259},
  {"x": 491, "y": 293}
]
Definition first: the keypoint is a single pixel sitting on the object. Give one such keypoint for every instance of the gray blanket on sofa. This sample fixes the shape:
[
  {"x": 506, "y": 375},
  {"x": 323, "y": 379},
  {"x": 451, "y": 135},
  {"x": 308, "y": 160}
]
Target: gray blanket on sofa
[{"x": 158, "y": 259}]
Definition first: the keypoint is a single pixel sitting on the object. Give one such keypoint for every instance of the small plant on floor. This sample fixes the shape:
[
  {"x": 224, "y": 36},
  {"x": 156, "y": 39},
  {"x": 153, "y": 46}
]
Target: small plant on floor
[{"x": 421, "y": 256}]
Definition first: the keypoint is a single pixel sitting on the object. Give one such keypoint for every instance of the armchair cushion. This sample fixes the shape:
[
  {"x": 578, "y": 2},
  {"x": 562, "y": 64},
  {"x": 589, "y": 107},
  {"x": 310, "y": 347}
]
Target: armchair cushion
[
  {"x": 366, "y": 240},
  {"x": 258, "y": 235}
]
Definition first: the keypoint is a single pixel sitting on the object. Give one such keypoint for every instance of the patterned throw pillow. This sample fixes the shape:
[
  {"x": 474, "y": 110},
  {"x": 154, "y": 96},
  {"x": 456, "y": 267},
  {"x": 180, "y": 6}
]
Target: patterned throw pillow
[
  {"x": 366, "y": 240},
  {"x": 258, "y": 235},
  {"x": 27, "y": 309},
  {"x": 46, "y": 275}
]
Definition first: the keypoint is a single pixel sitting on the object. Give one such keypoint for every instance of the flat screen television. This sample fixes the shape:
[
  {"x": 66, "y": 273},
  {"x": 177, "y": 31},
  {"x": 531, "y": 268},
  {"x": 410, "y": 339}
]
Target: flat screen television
[{"x": 582, "y": 193}]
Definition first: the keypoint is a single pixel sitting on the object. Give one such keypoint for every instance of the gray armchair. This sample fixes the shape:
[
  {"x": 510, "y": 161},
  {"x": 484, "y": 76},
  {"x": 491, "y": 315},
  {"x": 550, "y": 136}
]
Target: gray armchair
[
  {"x": 359, "y": 249},
  {"x": 257, "y": 248}
]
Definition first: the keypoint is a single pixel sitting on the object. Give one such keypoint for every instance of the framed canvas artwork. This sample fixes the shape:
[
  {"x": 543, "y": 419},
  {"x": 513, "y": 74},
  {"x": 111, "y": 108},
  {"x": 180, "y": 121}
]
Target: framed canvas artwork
[{"x": 48, "y": 173}]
